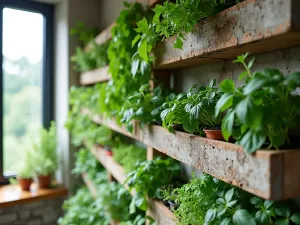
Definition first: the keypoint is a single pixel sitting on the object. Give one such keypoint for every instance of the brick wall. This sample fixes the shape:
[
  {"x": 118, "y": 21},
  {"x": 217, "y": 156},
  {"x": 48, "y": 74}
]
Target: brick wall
[{"x": 43, "y": 212}]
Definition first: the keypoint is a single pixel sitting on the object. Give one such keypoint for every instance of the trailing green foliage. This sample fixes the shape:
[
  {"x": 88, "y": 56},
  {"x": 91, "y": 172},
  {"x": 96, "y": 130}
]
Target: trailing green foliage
[
  {"x": 171, "y": 19},
  {"x": 148, "y": 177},
  {"x": 81, "y": 209},
  {"x": 193, "y": 110},
  {"x": 247, "y": 108},
  {"x": 80, "y": 126},
  {"x": 128, "y": 156},
  {"x": 144, "y": 106},
  {"x": 86, "y": 163},
  {"x": 120, "y": 53},
  {"x": 44, "y": 157},
  {"x": 84, "y": 34},
  {"x": 115, "y": 201},
  {"x": 93, "y": 57},
  {"x": 208, "y": 201}
]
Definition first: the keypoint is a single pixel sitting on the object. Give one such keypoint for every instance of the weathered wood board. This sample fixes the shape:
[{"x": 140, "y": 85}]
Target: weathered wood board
[
  {"x": 254, "y": 26},
  {"x": 160, "y": 213},
  {"x": 89, "y": 185},
  {"x": 95, "y": 76},
  {"x": 268, "y": 174}
]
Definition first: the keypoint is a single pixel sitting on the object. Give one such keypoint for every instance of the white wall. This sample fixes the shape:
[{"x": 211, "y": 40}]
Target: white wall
[{"x": 67, "y": 14}]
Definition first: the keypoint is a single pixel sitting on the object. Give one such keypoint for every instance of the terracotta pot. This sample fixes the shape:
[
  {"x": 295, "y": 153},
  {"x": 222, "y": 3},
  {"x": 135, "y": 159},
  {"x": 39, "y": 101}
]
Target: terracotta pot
[
  {"x": 109, "y": 153},
  {"x": 214, "y": 134},
  {"x": 25, "y": 183},
  {"x": 44, "y": 181}
]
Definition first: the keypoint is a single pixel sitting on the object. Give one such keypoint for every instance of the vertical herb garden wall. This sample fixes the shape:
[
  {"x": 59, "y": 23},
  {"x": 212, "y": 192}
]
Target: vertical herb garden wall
[{"x": 134, "y": 129}]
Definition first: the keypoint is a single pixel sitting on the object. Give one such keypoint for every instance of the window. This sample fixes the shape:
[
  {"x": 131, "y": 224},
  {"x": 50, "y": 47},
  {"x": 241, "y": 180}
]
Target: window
[{"x": 26, "y": 78}]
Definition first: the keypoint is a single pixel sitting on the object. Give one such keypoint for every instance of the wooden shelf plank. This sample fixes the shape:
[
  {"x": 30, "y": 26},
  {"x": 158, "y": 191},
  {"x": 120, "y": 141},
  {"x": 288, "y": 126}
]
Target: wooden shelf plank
[
  {"x": 11, "y": 195},
  {"x": 93, "y": 190},
  {"x": 268, "y": 174},
  {"x": 109, "y": 164},
  {"x": 160, "y": 213},
  {"x": 103, "y": 37},
  {"x": 95, "y": 76},
  {"x": 255, "y": 26},
  {"x": 90, "y": 185}
]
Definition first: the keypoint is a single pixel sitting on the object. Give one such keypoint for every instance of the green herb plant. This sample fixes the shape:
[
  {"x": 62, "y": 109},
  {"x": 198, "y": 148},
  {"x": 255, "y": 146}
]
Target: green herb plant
[
  {"x": 86, "y": 163},
  {"x": 148, "y": 178},
  {"x": 82, "y": 209},
  {"x": 193, "y": 110},
  {"x": 206, "y": 200},
  {"x": 263, "y": 110},
  {"x": 128, "y": 156},
  {"x": 90, "y": 58},
  {"x": 120, "y": 53},
  {"x": 44, "y": 157},
  {"x": 115, "y": 201},
  {"x": 144, "y": 106},
  {"x": 171, "y": 19}
]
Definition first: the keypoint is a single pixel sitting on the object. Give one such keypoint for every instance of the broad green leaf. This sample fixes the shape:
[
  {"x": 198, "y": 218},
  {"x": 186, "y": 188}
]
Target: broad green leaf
[
  {"x": 251, "y": 141},
  {"x": 224, "y": 103},
  {"x": 135, "y": 40},
  {"x": 256, "y": 201},
  {"x": 282, "y": 222},
  {"x": 178, "y": 43},
  {"x": 143, "y": 25},
  {"x": 227, "y": 86},
  {"x": 221, "y": 201},
  {"x": 134, "y": 66},
  {"x": 293, "y": 80},
  {"x": 227, "y": 125},
  {"x": 159, "y": 9},
  {"x": 189, "y": 125},
  {"x": 296, "y": 218},
  {"x": 242, "y": 217},
  {"x": 262, "y": 218},
  {"x": 283, "y": 211},
  {"x": 210, "y": 215},
  {"x": 143, "y": 50},
  {"x": 212, "y": 83},
  {"x": 250, "y": 63},
  {"x": 243, "y": 75},
  {"x": 132, "y": 208},
  {"x": 225, "y": 221},
  {"x": 268, "y": 204},
  {"x": 144, "y": 67},
  {"x": 196, "y": 110},
  {"x": 256, "y": 83},
  {"x": 229, "y": 194},
  {"x": 249, "y": 114}
]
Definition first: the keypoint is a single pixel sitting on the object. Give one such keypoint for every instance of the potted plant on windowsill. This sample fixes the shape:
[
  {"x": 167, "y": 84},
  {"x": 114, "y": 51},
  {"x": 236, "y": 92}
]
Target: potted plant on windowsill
[
  {"x": 45, "y": 157},
  {"x": 24, "y": 177}
]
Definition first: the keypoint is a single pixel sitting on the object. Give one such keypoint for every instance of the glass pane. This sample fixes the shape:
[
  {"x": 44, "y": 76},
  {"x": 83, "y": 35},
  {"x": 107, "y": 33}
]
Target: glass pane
[{"x": 22, "y": 83}]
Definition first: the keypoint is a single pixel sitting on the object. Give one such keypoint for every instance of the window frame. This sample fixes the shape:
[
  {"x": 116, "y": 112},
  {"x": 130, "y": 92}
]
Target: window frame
[{"x": 47, "y": 11}]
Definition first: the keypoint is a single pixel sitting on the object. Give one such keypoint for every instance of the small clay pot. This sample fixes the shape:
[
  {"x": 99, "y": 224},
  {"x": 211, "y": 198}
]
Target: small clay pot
[
  {"x": 44, "y": 181},
  {"x": 25, "y": 183},
  {"x": 214, "y": 134},
  {"x": 109, "y": 152}
]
